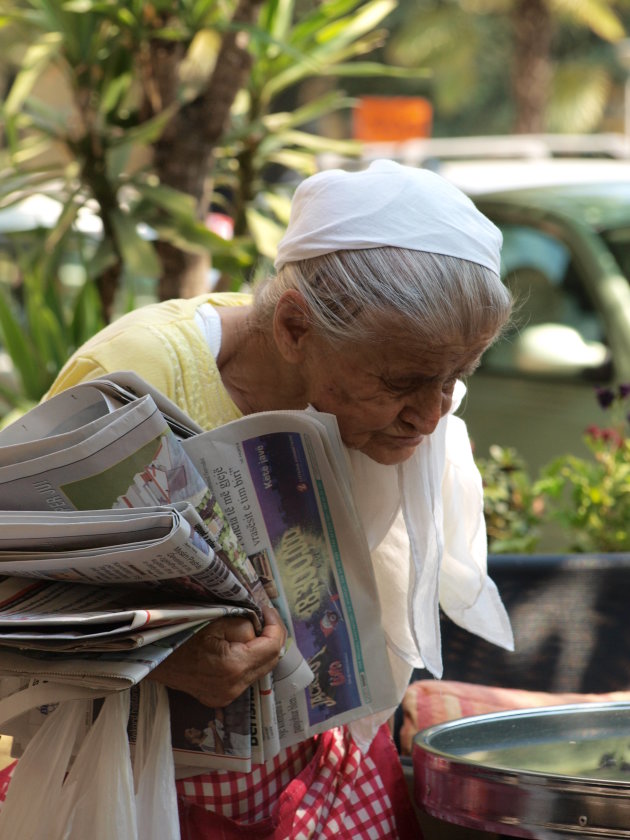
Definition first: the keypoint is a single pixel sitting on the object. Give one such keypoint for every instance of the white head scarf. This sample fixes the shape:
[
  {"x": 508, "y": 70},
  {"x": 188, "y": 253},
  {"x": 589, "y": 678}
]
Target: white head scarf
[{"x": 387, "y": 204}]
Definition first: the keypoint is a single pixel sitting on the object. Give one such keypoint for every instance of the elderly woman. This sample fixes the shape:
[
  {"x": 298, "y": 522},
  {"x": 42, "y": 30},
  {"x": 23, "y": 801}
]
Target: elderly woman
[{"x": 387, "y": 293}]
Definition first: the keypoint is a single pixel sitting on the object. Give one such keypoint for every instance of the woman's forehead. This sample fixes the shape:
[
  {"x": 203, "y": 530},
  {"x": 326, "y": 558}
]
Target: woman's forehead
[{"x": 405, "y": 356}]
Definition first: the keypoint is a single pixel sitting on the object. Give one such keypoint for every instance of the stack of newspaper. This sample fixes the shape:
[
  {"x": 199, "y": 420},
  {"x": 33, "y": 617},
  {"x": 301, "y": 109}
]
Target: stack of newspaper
[{"x": 124, "y": 529}]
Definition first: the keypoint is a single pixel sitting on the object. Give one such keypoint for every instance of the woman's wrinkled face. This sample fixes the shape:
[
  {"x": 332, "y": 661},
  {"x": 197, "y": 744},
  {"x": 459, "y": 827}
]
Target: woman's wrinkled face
[{"x": 388, "y": 396}]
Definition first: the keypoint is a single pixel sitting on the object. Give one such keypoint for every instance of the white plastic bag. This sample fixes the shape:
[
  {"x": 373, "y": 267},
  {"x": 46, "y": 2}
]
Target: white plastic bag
[
  {"x": 35, "y": 789},
  {"x": 96, "y": 797},
  {"x": 154, "y": 770}
]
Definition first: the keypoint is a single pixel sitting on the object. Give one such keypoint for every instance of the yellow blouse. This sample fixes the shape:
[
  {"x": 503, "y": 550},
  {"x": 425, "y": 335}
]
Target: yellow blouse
[{"x": 162, "y": 344}]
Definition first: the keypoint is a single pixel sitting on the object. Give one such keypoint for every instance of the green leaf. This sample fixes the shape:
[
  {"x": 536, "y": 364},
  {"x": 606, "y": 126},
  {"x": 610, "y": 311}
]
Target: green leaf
[
  {"x": 312, "y": 23},
  {"x": 139, "y": 257},
  {"x": 86, "y": 318},
  {"x": 346, "y": 30},
  {"x": 104, "y": 257},
  {"x": 195, "y": 237},
  {"x": 313, "y": 110},
  {"x": 367, "y": 69},
  {"x": 321, "y": 60},
  {"x": 148, "y": 131},
  {"x": 280, "y": 205},
  {"x": 31, "y": 149},
  {"x": 266, "y": 233},
  {"x": 314, "y": 143},
  {"x": 81, "y": 7},
  {"x": 53, "y": 121},
  {"x": 302, "y": 162},
  {"x": 114, "y": 92},
  {"x": 19, "y": 405},
  {"x": 20, "y": 351},
  {"x": 173, "y": 201},
  {"x": 277, "y": 16},
  {"x": 597, "y": 15},
  {"x": 47, "y": 335},
  {"x": 38, "y": 56},
  {"x": 14, "y": 187},
  {"x": 67, "y": 218}
]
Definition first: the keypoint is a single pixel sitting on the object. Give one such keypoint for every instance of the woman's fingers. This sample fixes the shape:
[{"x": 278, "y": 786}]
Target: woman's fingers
[
  {"x": 273, "y": 630},
  {"x": 224, "y": 658}
]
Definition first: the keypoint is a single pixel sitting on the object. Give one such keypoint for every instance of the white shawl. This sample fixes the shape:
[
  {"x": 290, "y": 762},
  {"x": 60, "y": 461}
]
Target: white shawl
[{"x": 426, "y": 530}]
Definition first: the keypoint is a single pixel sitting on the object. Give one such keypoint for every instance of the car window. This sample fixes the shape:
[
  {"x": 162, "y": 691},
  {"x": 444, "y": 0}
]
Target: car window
[
  {"x": 524, "y": 246},
  {"x": 556, "y": 329}
]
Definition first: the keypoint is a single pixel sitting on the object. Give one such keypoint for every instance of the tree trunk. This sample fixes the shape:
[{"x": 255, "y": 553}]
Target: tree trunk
[
  {"x": 531, "y": 67},
  {"x": 183, "y": 154},
  {"x": 107, "y": 284},
  {"x": 183, "y": 274},
  {"x": 94, "y": 175}
]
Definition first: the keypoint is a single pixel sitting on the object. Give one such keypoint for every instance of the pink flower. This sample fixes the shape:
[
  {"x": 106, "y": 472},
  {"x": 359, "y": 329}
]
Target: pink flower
[
  {"x": 612, "y": 436},
  {"x": 594, "y": 432}
]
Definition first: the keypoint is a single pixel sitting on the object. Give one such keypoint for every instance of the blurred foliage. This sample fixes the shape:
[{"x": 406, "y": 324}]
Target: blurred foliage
[
  {"x": 41, "y": 323},
  {"x": 480, "y": 76},
  {"x": 140, "y": 77},
  {"x": 512, "y": 509},
  {"x": 269, "y": 148},
  {"x": 590, "y": 498},
  {"x": 93, "y": 147},
  {"x": 587, "y": 498}
]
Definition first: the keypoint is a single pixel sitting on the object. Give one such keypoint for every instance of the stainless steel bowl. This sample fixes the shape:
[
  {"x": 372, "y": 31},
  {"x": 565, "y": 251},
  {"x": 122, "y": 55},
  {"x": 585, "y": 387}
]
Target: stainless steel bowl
[{"x": 547, "y": 773}]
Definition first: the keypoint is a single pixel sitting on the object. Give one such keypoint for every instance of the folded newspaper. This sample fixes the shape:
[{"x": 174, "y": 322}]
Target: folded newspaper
[{"x": 125, "y": 528}]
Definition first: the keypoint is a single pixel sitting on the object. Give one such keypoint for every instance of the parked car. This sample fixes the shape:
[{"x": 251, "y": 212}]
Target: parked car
[{"x": 566, "y": 256}]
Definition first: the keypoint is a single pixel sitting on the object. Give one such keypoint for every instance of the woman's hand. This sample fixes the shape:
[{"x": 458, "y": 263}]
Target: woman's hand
[{"x": 219, "y": 662}]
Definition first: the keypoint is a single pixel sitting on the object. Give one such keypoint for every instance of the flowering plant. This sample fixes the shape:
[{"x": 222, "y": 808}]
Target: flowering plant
[
  {"x": 511, "y": 508},
  {"x": 590, "y": 498}
]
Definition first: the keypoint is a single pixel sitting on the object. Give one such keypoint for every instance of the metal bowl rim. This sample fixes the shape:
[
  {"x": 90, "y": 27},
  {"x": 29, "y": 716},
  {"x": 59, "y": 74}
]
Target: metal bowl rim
[{"x": 537, "y": 776}]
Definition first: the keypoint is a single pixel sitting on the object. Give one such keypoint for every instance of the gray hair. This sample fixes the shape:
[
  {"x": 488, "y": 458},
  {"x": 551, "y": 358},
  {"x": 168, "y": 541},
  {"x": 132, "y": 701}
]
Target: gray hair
[{"x": 353, "y": 295}]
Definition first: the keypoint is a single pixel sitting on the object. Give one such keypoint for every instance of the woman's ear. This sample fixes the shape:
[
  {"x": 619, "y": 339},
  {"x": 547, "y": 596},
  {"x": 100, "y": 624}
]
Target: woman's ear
[{"x": 291, "y": 325}]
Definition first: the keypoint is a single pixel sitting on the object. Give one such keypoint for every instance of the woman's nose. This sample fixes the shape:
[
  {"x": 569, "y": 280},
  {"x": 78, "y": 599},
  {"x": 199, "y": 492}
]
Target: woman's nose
[{"x": 423, "y": 411}]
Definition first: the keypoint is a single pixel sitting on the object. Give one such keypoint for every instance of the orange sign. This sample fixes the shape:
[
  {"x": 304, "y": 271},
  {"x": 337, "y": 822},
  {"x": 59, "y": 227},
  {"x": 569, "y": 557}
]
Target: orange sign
[{"x": 391, "y": 118}]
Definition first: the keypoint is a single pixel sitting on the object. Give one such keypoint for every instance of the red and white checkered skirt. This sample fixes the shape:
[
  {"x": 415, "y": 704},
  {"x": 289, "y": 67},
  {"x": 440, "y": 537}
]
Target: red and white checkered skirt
[{"x": 322, "y": 789}]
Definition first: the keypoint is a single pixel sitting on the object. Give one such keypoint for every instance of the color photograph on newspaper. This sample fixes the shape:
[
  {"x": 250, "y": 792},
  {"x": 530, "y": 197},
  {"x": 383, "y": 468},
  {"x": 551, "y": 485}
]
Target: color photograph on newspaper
[
  {"x": 203, "y": 736},
  {"x": 300, "y": 529},
  {"x": 160, "y": 473}
]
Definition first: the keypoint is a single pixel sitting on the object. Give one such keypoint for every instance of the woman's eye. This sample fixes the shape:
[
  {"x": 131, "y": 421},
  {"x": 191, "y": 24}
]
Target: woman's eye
[{"x": 401, "y": 388}]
